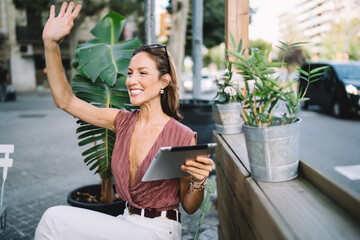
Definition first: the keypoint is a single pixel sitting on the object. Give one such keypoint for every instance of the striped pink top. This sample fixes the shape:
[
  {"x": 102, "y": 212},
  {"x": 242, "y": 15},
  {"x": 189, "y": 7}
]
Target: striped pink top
[{"x": 162, "y": 194}]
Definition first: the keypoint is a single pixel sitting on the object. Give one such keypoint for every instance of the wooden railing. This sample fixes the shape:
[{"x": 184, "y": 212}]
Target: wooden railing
[{"x": 308, "y": 207}]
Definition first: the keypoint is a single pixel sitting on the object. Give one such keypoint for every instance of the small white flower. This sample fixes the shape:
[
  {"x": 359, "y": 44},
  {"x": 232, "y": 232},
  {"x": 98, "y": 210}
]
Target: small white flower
[
  {"x": 230, "y": 91},
  {"x": 237, "y": 80},
  {"x": 221, "y": 81},
  {"x": 251, "y": 84}
]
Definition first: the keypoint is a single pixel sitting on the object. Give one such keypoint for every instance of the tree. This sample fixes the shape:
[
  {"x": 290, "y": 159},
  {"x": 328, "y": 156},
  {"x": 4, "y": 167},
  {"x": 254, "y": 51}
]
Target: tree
[
  {"x": 335, "y": 40},
  {"x": 179, "y": 10},
  {"x": 214, "y": 22}
]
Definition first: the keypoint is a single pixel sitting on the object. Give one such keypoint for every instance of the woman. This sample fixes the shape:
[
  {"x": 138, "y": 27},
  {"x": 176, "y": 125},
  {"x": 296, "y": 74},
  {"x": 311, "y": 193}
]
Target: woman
[{"x": 152, "y": 207}]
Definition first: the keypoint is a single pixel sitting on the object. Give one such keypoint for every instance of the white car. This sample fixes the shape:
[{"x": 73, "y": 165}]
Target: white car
[{"x": 207, "y": 83}]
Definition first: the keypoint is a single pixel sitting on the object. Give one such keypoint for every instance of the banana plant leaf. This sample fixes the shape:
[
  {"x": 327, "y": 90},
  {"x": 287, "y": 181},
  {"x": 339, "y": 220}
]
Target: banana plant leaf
[
  {"x": 100, "y": 95},
  {"x": 105, "y": 57},
  {"x": 101, "y": 66},
  {"x": 109, "y": 29}
]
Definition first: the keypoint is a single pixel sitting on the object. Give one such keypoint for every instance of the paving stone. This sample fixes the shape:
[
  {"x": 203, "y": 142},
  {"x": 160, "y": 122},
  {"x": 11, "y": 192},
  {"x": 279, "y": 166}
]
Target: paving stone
[{"x": 43, "y": 173}]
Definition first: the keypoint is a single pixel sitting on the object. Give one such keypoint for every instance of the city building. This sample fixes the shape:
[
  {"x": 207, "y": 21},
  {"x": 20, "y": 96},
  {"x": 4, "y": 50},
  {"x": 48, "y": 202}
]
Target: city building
[
  {"x": 311, "y": 20},
  {"x": 21, "y": 45}
]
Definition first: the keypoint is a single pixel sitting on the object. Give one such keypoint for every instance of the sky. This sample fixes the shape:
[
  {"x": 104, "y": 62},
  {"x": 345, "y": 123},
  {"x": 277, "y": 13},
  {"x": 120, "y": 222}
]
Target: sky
[{"x": 265, "y": 22}]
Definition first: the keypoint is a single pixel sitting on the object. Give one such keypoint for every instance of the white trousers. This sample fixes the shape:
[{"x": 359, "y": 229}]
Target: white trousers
[{"x": 71, "y": 223}]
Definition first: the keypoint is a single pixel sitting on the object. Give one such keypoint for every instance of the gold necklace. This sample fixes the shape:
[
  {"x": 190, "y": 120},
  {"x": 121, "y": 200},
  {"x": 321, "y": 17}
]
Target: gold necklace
[{"x": 133, "y": 169}]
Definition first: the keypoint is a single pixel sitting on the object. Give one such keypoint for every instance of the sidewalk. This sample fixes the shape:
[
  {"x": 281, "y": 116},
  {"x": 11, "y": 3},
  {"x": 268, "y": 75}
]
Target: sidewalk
[{"x": 48, "y": 165}]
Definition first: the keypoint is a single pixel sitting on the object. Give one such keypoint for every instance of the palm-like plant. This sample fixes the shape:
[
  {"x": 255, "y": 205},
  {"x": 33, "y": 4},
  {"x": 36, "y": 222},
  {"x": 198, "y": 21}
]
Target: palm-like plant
[
  {"x": 268, "y": 91},
  {"x": 101, "y": 66}
]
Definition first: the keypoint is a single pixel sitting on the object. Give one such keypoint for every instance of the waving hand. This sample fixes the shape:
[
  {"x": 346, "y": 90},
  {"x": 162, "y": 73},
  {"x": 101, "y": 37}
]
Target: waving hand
[{"x": 56, "y": 28}]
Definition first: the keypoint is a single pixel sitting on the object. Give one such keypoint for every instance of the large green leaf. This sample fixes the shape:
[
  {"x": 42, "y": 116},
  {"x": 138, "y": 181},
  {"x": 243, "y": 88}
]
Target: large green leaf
[
  {"x": 104, "y": 57},
  {"x": 106, "y": 61},
  {"x": 100, "y": 94},
  {"x": 109, "y": 29},
  {"x": 101, "y": 66}
]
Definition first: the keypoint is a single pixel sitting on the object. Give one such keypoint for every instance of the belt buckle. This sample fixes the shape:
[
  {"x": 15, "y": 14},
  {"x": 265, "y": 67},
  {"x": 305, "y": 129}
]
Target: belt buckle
[{"x": 163, "y": 215}]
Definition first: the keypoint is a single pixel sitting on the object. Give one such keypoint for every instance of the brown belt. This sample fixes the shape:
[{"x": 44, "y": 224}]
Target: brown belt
[{"x": 153, "y": 213}]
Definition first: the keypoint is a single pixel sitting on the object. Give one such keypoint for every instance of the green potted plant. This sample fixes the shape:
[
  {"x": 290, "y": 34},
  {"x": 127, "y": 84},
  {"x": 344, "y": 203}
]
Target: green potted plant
[
  {"x": 227, "y": 102},
  {"x": 271, "y": 104},
  {"x": 101, "y": 65}
]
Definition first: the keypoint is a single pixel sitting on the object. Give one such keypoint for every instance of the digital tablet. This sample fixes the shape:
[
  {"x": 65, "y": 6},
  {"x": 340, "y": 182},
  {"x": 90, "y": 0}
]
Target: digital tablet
[{"x": 168, "y": 160}]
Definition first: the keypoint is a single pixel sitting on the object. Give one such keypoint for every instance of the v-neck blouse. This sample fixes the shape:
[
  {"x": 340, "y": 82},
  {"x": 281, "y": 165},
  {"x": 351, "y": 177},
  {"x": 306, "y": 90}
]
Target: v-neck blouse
[{"x": 163, "y": 194}]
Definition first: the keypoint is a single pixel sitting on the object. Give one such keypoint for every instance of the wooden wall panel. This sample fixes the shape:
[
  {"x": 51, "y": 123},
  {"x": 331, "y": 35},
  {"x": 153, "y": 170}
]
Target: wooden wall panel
[{"x": 296, "y": 209}]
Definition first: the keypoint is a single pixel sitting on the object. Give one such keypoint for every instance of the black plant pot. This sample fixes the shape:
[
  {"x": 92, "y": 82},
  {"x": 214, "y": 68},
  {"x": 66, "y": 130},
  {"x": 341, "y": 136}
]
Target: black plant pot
[
  {"x": 115, "y": 208},
  {"x": 198, "y": 116}
]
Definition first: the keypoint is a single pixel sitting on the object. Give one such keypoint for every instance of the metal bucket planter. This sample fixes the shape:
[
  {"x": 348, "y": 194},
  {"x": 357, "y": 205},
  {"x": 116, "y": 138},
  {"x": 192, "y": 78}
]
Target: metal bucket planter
[
  {"x": 273, "y": 151},
  {"x": 227, "y": 118}
]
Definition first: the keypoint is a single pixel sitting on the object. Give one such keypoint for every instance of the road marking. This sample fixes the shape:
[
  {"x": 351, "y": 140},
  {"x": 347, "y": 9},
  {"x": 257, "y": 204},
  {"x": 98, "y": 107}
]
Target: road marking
[{"x": 352, "y": 172}]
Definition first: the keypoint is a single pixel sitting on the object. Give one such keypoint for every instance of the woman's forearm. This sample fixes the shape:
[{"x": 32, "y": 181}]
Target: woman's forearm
[
  {"x": 58, "y": 82},
  {"x": 192, "y": 201},
  {"x": 190, "y": 198}
]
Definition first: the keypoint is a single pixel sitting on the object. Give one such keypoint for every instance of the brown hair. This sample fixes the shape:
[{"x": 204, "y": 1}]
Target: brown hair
[{"x": 164, "y": 62}]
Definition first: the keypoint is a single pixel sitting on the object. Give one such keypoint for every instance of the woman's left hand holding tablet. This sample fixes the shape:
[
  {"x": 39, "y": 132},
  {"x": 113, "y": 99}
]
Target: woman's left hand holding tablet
[
  {"x": 199, "y": 169},
  {"x": 56, "y": 28}
]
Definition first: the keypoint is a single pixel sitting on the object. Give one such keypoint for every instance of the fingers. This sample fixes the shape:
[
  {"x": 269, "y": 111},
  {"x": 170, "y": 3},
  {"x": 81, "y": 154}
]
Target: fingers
[
  {"x": 62, "y": 10},
  {"x": 75, "y": 12},
  {"x": 52, "y": 11},
  {"x": 200, "y": 162},
  {"x": 200, "y": 168},
  {"x": 205, "y": 160},
  {"x": 197, "y": 175},
  {"x": 69, "y": 9}
]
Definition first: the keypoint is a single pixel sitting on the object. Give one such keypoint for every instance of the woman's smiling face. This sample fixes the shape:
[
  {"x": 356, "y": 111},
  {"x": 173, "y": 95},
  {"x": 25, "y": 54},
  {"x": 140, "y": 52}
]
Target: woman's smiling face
[{"x": 143, "y": 81}]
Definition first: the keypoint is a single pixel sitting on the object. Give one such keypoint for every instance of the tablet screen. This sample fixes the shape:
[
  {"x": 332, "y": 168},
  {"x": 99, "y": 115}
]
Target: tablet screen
[{"x": 168, "y": 160}]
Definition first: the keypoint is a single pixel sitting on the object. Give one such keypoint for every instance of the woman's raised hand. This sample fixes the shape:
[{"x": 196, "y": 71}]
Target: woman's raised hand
[{"x": 56, "y": 28}]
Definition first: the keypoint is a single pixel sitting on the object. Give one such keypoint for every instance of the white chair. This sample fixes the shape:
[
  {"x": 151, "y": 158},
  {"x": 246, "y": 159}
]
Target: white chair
[{"x": 5, "y": 163}]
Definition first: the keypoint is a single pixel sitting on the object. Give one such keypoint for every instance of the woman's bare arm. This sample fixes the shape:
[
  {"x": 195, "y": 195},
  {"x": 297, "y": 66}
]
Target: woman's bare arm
[{"x": 54, "y": 31}]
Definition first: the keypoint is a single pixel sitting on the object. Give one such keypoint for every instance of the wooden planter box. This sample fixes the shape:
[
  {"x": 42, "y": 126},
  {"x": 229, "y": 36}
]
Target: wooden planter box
[{"x": 308, "y": 207}]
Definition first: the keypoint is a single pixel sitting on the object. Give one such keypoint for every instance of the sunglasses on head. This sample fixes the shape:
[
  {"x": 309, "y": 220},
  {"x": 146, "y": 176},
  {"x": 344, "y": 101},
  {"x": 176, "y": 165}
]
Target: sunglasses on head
[{"x": 166, "y": 53}]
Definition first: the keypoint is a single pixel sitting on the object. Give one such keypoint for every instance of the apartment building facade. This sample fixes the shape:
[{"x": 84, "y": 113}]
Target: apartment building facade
[
  {"x": 21, "y": 46},
  {"x": 311, "y": 20}
]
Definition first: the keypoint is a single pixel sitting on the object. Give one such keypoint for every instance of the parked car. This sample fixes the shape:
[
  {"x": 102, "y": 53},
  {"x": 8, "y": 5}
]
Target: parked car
[
  {"x": 338, "y": 90},
  {"x": 207, "y": 83}
]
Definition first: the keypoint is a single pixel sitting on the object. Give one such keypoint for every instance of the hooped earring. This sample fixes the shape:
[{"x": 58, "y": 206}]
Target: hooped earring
[{"x": 162, "y": 91}]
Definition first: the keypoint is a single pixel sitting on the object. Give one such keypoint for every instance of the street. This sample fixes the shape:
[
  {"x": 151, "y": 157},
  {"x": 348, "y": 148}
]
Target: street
[{"x": 327, "y": 142}]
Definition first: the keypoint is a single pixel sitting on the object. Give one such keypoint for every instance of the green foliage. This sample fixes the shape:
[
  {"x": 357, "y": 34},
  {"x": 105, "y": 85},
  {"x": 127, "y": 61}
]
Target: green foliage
[
  {"x": 206, "y": 204},
  {"x": 101, "y": 66},
  {"x": 105, "y": 58},
  {"x": 213, "y": 22},
  {"x": 228, "y": 87},
  {"x": 128, "y": 8},
  {"x": 262, "y": 45},
  {"x": 334, "y": 40},
  {"x": 215, "y": 55},
  {"x": 34, "y": 4},
  {"x": 264, "y": 92}
]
